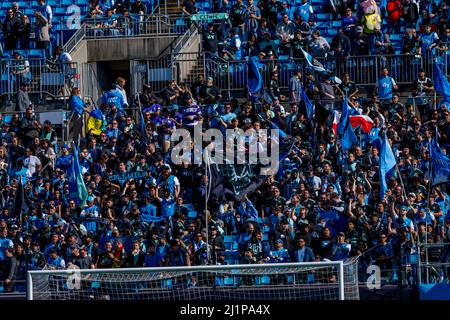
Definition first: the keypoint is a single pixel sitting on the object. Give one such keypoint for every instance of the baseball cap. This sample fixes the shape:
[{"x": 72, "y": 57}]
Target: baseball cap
[
  {"x": 154, "y": 108},
  {"x": 165, "y": 167}
]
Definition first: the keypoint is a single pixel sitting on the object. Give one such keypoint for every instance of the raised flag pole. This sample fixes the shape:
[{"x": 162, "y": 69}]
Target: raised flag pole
[
  {"x": 207, "y": 193},
  {"x": 401, "y": 180},
  {"x": 21, "y": 209}
]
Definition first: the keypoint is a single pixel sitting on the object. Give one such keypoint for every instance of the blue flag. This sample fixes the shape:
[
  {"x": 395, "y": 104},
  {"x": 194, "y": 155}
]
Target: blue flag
[
  {"x": 387, "y": 162},
  {"x": 308, "y": 104},
  {"x": 142, "y": 127},
  {"x": 440, "y": 165},
  {"x": 77, "y": 187},
  {"x": 255, "y": 80},
  {"x": 344, "y": 128},
  {"x": 441, "y": 83},
  {"x": 313, "y": 63}
]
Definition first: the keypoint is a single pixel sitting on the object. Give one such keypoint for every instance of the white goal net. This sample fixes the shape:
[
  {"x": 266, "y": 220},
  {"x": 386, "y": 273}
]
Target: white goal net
[{"x": 336, "y": 280}]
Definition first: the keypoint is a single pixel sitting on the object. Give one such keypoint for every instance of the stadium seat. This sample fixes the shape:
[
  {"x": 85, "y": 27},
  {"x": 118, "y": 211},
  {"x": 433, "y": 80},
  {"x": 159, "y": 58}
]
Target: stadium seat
[
  {"x": 61, "y": 11},
  {"x": 228, "y": 281},
  {"x": 323, "y": 17},
  {"x": 230, "y": 238},
  {"x": 263, "y": 280},
  {"x": 36, "y": 53},
  {"x": 6, "y": 55},
  {"x": 167, "y": 284}
]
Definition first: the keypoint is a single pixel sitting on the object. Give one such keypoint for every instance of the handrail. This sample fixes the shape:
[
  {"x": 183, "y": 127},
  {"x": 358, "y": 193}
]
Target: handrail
[{"x": 75, "y": 39}]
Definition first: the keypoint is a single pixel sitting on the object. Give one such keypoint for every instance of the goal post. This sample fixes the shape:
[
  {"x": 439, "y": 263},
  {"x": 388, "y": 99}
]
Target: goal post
[{"x": 332, "y": 280}]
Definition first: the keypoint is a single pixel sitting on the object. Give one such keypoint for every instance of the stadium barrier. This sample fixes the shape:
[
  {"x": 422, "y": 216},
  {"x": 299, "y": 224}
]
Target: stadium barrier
[
  {"x": 333, "y": 280},
  {"x": 43, "y": 77},
  {"x": 231, "y": 76},
  {"x": 433, "y": 262},
  {"x": 135, "y": 26}
]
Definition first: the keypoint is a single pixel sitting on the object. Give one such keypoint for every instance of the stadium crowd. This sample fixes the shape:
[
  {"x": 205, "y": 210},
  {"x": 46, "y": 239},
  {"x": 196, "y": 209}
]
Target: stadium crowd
[{"x": 141, "y": 209}]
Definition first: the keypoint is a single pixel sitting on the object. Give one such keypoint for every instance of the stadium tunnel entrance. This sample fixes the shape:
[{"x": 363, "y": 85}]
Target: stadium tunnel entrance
[{"x": 109, "y": 71}]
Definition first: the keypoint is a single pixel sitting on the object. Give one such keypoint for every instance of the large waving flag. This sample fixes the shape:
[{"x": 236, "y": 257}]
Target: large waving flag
[
  {"x": 440, "y": 164},
  {"x": 313, "y": 63},
  {"x": 387, "y": 162},
  {"x": 77, "y": 188},
  {"x": 308, "y": 104},
  {"x": 143, "y": 127},
  {"x": 344, "y": 128},
  {"x": 255, "y": 80},
  {"x": 441, "y": 83},
  {"x": 96, "y": 122},
  {"x": 363, "y": 121}
]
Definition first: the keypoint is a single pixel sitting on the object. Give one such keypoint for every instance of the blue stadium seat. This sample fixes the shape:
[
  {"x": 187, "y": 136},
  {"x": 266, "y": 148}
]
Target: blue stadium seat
[
  {"x": 36, "y": 53},
  {"x": 323, "y": 17},
  {"x": 7, "y": 54},
  {"x": 167, "y": 284},
  {"x": 61, "y": 11},
  {"x": 263, "y": 280},
  {"x": 336, "y": 24},
  {"x": 23, "y": 53},
  {"x": 395, "y": 37},
  {"x": 230, "y": 238},
  {"x": 332, "y": 32}
]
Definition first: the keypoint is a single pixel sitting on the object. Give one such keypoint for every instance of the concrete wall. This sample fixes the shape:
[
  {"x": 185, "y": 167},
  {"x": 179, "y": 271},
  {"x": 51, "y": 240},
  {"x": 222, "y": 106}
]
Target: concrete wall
[
  {"x": 80, "y": 54},
  {"x": 126, "y": 49}
]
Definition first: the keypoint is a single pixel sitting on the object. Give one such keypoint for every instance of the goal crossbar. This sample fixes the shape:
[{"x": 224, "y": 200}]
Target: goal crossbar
[{"x": 224, "y": 270}]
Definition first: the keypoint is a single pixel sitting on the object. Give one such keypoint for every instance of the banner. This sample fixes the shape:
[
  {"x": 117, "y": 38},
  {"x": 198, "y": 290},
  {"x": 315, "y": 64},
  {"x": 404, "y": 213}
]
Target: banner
[
  {"x": 209, "y": 16},
  {"x": 125, "y": 177}
]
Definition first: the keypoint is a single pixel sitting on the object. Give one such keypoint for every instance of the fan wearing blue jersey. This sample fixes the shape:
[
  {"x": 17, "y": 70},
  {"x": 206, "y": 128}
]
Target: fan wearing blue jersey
[{"x": 386, "y": 86}]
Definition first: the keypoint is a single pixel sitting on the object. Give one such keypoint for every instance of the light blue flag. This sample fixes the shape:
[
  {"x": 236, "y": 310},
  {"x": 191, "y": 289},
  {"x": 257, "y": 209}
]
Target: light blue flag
[
  {"x": 441, "y": 83},
  {"x": 77, "y": 187},
  {"x": 255, "y": 80},
  {"x": 387, "y": 162},
  {"x": 440, "y": 165},
  {"x": 313, "y": 63},
  {"x": 308, "y": 104},
  {"x": 344, "y": 128}
]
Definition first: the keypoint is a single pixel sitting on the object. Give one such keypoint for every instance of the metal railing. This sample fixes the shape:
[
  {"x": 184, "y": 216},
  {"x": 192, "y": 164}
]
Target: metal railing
[
  {"x": 434, "y": 266},
  {"x": 231, "y": 76},
  {"x": 135, "y": 26},
  {"x": 44, "y": 77}
]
